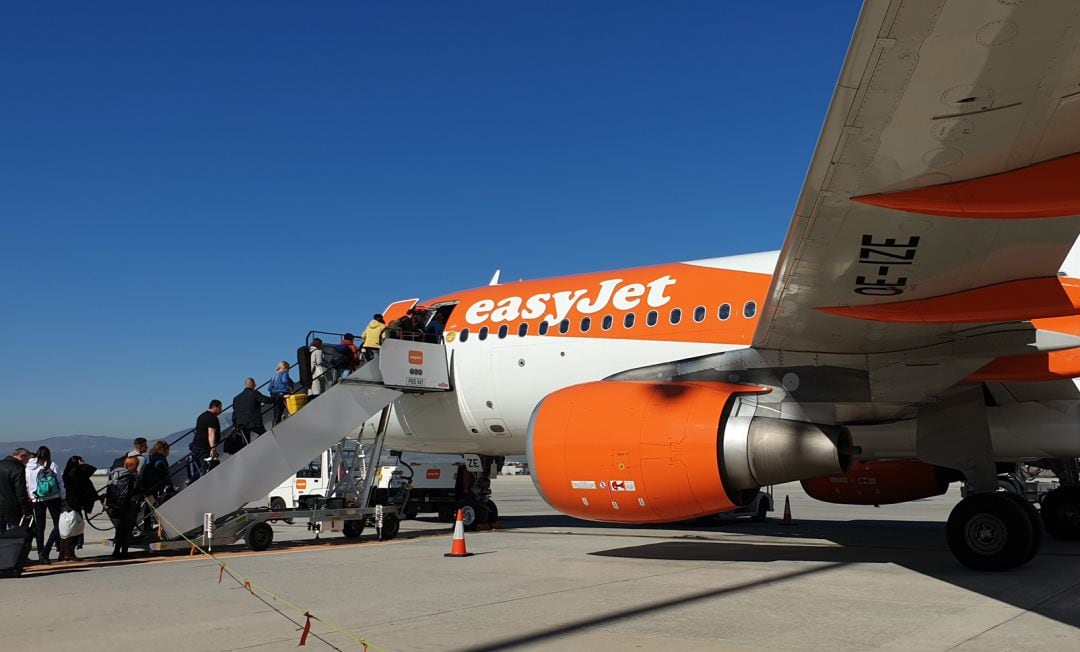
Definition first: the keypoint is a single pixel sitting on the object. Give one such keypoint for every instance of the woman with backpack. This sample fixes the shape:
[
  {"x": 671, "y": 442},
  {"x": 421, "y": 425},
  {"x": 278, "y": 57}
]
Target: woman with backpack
[
  {"x": 121, "y": 504},
  {"x": 46, "y": 488}
]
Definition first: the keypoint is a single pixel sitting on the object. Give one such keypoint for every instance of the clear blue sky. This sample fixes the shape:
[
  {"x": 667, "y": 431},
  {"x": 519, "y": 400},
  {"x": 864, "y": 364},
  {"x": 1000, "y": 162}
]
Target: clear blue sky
[{"x": 187, "y": 188}]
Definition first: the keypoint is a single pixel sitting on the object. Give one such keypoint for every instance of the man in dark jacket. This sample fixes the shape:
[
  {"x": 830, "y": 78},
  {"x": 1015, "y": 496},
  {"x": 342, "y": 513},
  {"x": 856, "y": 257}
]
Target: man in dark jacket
[
  {"x": 14, "y": 501},
  {"x": 247, "y": 413}
]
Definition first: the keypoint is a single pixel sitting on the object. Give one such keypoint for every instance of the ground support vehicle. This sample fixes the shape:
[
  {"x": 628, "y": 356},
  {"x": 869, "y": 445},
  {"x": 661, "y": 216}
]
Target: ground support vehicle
[{"x": 441, "y": 488}]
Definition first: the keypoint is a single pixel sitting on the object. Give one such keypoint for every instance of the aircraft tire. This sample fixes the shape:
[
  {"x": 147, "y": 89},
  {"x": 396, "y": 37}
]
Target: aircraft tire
[
  {"x": 1036, "y": 525},
  {"x": 1061, "y": 513},
  {"x": 762, "y": 512},
  {"x": 473, "y": 514},
  {"x": 492, "y": 511},
  {"x": 989, "y": 531}
]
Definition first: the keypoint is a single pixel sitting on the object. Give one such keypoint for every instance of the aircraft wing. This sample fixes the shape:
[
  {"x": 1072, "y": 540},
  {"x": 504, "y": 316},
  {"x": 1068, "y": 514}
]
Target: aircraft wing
[{"x": 954, "y": 125}]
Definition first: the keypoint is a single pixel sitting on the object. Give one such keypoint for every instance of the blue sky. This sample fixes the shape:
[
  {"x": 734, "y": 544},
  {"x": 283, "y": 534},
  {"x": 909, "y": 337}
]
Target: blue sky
[{"x": 187, "y": 188}]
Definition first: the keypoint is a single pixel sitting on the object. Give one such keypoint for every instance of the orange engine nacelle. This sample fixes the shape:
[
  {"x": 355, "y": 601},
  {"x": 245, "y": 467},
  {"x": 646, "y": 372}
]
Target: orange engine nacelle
[
  {"x": 881, "y": 482},
  {"x": 651, "y": 452}
]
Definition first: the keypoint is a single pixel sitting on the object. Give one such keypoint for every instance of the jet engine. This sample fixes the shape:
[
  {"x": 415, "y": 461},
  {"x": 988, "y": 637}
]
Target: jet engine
[
  {"x": 651, "y": 452},
  {"x": 881, "y": 482}
]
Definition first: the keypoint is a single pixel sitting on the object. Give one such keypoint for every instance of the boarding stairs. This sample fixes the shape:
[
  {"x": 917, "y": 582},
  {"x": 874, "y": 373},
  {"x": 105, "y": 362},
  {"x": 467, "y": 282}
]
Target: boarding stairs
[{"x": 402, "y": 367}]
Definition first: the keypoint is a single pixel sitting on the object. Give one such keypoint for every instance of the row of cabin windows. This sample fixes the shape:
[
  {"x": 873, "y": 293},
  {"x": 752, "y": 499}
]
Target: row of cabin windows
[{"x": 651, "y": 319}]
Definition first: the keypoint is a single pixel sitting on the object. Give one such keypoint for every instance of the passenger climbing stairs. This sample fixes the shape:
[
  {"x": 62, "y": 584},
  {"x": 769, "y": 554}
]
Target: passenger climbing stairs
[{"x": 340, "y": 412}]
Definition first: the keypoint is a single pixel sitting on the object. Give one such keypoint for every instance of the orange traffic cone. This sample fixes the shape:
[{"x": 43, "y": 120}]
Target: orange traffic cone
[
  {"x": 787, "y": 511},
  {"x": 457, "y": 548}
]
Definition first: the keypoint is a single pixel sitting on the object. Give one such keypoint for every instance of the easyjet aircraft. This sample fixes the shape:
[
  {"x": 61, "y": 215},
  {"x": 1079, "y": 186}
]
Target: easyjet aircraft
[{"x": 914, "y": 329}]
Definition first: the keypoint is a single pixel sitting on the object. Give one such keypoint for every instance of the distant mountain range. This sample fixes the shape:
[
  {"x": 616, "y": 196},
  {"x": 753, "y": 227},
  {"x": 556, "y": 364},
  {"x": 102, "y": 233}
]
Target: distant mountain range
[
  {"x": 101, "y": 451},
  {"x": 98, "y": 451}
]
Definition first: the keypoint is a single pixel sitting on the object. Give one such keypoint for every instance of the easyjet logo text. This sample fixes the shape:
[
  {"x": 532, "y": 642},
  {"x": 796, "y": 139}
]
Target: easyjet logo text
[
  {"x": 554, "y": 307},
  {"x": 416, "y": 357}
]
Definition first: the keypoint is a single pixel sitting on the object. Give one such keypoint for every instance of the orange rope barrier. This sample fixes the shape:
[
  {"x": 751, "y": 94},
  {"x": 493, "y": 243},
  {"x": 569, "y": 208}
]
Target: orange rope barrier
[{"x": 254, "y": 590}]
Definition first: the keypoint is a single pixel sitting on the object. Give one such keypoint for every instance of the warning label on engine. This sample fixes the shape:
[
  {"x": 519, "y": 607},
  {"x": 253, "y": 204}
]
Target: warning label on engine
[
  {"x": 623, "y": 485},
  {"x": 583, "y": 484}
]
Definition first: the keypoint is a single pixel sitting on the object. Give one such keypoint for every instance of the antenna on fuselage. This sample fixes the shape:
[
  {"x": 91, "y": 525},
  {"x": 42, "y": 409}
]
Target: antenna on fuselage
[{"x": 495, "y": 277}]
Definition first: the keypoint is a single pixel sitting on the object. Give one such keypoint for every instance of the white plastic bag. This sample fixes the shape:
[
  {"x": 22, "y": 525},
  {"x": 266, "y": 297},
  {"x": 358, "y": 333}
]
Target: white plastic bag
[{"x": 71, "y": 524}]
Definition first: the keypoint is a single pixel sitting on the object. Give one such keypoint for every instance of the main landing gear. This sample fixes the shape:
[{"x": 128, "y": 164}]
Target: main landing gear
[
  {"x": 994, "y": 531},
  {"x": 1061, "y": 513}
]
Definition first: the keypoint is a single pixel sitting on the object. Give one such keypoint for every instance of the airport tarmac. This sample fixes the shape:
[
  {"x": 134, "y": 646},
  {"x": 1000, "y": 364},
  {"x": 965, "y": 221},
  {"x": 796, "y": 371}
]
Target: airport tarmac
[{"x": 841, "y": 578}]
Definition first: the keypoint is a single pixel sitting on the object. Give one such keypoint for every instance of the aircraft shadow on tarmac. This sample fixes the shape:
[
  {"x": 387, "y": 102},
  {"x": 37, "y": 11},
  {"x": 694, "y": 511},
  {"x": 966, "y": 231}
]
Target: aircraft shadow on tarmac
[{"x": 1049, "y": 585}]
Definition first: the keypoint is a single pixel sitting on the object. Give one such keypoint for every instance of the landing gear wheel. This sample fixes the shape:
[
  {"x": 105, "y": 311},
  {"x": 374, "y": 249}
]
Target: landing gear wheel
[
  {"x": 260, "y": 536},
  {"x": 352, "y": 529},
  {"x": 989, "y": 531},
  {"x": 277, "y": 504},
  {"x": 1036, "y": 525},
  {"x": 473, "y": 514},
  {"x": 762, "y": 511},
  {"x": 390, "y": 527},
  {"x": 1061, "y": 513},
  {"x": 493, "y": 511}
]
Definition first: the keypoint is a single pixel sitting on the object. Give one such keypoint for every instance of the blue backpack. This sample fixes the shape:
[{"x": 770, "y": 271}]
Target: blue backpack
[{"x": 47, "y": 485}]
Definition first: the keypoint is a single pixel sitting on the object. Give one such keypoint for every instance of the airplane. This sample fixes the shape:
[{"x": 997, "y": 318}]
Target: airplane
[{"x": 915, "y": 329}]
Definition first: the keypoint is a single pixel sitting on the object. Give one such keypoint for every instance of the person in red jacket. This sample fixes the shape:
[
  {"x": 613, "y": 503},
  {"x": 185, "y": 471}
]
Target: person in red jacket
[{"x": 347, "y": 345}]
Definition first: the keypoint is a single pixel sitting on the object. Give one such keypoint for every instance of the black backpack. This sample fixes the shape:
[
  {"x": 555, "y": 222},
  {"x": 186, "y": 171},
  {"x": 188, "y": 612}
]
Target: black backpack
[
  {"x": 341, "y": 357},
  {"x": 118, "y": 492},
  {"x": 303, "y": 363}
]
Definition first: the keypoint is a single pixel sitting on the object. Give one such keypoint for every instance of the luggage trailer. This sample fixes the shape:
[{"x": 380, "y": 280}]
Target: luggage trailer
[{"x": 340, "y": 510}]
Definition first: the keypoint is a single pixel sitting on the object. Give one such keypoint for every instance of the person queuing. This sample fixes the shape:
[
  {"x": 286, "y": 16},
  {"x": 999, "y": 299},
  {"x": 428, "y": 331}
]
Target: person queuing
[
  {"x": 280, "y": 385},
  {"x": 348, "y": 356},
  {"x": 81, "y": 496},
  {"x": 373, "y": 337},
  {"x": 121, "y": 504},
  {"x": 204, "y": 444},
  {"x": 248, "y": 413},
  {"x": 156, "y": 482},
  {"x": 138, "y": 451},
  {"x": 320, "y": 368},
  {"x": 14, "y": 500},
  {"x": 47, "y": 492}
]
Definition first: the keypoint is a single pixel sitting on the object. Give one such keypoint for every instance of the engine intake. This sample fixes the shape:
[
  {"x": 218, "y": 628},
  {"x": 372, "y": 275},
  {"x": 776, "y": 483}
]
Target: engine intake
[{"x": 649, "y": 452}]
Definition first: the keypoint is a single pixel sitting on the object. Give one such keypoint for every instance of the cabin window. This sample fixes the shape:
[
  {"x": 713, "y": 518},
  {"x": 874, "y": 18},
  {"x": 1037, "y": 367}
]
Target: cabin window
[
  {"x": 651, "y": 318},
  {"x": 724, "y": 312},
  {"x": 482, "y": 333},
  {"x": 564, "y": 326},
  {"x": 676, "y": 316},
  {"x": 503, "y": 330},
  {"x": 749, "y": 309},
  {"x": 586, "y": 324},
  {"x": 464, "y": 336},
  {"x": 628, "y": 320},
  {"x": 607, "y": 322},
  {"x": 523, "y": 329},
  {"x": 542, "y": 329},
  {"x": 699, "y": 314}
]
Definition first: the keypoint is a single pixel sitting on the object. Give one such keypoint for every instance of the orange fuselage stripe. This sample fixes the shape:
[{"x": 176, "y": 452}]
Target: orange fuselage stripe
[{"x": 640, "y": 291}]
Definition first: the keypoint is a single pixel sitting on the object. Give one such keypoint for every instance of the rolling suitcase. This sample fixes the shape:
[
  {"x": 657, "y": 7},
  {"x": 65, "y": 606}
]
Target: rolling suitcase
[{"x": 15, "y": 548}]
